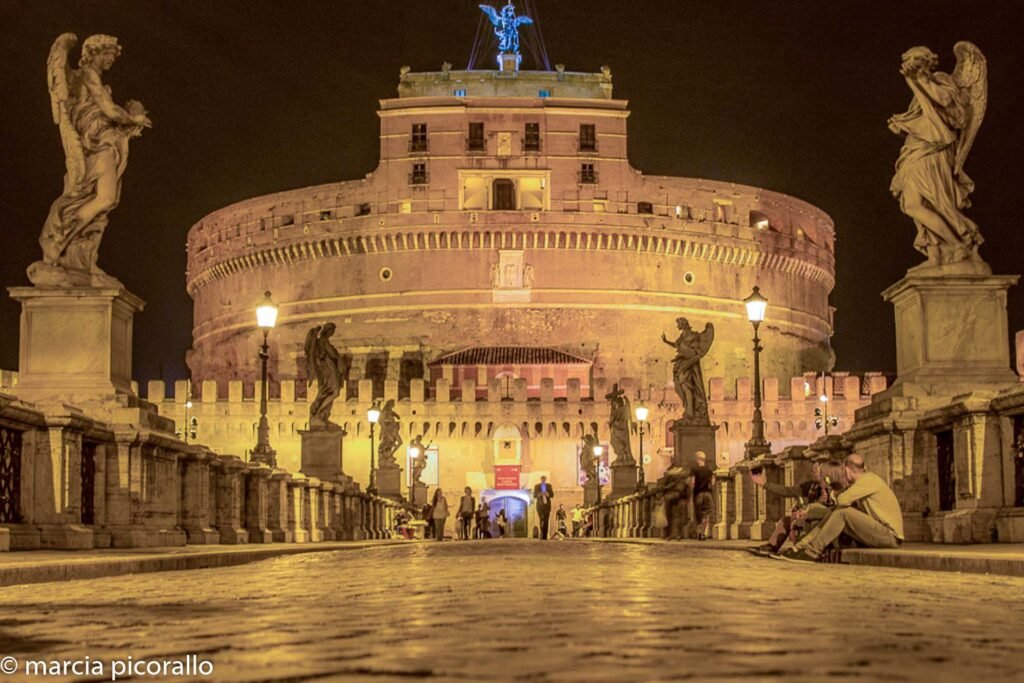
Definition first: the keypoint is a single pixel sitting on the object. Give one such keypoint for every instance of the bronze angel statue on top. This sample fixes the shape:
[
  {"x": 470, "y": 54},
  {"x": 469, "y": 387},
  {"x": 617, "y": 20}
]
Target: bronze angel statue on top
[
  {"x": 325, "y": 364},
  {"x": 94, "y": 132},
  {"x": 691, "y": 346},
  {"x": 940, "y": 126}
]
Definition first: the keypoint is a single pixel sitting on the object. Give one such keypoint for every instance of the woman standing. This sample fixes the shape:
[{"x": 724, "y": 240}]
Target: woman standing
[{"x": 440, "y": 514}]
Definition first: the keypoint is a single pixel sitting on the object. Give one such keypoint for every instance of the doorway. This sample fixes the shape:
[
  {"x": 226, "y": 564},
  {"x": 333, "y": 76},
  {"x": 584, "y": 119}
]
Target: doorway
[
  {"x": 515, "y": 512},
  {"x": 504, "y": 195}
]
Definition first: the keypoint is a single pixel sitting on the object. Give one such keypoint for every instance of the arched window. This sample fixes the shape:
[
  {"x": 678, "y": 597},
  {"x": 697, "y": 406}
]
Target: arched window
[{"x": 503, "y": 195}]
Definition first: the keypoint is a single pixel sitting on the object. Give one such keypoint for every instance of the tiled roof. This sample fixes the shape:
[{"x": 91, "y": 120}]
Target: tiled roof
[{"x": 510, "y": 355}]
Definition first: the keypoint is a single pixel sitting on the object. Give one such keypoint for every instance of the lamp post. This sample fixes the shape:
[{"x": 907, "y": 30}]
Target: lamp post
[
  {"x": 641, "y": 411},
  {"x": 266, "y": 318},
  {"x": 598, "y": 450},
  {"x": 821, "y": 417},
  {"x": 756, "y": 305},
  {"x": 373, "y": 415}
]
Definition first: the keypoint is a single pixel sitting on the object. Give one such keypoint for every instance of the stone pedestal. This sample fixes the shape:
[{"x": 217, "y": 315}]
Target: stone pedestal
[
  {"x": 951, "y": 331},
  {"x": 690, "y": 438},
  {"x": 5, "y": 540},
  {"x": 624, "y": 478},
  {"x": 76, "y": 344},
  {"x": 419, "y": 494},
  {"x": 322, "y": 455},
  {"x": 589, "y": 494},
  {"x": 389, "y": 482}
]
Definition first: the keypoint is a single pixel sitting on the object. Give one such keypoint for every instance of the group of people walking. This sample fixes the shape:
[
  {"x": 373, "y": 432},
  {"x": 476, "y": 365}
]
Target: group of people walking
[{"x": 471, "y": 520}]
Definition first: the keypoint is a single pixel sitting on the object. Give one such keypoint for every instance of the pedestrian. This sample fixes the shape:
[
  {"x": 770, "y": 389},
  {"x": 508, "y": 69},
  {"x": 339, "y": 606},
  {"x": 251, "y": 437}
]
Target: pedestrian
[
  {"x": 577, "y": 520},
  {"x": 483, "y": 520},
  {"x": 439, "y": 513},
  {"x": 467, "y": 506},
  {"x": 561, "y": 530},
  {"x": 702, "y": 480},
  {"x": 542, "y": 494},
  {"x": 427, "y": 515},
  {"x": 876, "y": 522},
  {"x": 502, "y": 523}
]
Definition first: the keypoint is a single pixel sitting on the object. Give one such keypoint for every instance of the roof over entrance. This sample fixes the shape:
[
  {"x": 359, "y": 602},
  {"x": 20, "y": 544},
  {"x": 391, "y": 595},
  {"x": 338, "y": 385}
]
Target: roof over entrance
[{"x": 509, "y": 355}]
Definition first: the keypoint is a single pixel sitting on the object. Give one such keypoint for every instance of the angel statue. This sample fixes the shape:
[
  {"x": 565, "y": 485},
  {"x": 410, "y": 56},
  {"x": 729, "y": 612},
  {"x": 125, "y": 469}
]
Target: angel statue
[
  {"x": 419, "y": 459},
  {"x": 620, "y": 420},
  {"x": 324, "y": 363},
  {"x": 691, "y": 347},
  {"x": 588, "y": 458},
  {"x": 506, "y": 26},
  {"x": 94, "y": 132},
  {"x": 940, "y": 125},
  {"x": 390, "y": 438}
]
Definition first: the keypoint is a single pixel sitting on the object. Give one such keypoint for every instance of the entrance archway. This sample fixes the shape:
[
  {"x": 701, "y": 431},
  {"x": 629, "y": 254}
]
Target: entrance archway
[{"x": 516, "y": 505}]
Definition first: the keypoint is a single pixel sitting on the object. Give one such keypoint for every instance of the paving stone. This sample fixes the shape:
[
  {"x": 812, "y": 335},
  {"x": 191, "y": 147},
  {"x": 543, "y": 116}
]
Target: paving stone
[{"x": 531, "y": 610}]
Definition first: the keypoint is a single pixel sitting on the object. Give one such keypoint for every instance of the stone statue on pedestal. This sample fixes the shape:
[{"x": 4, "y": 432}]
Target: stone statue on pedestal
[
  {"x": 506, "y": 26},
  {"x": 940, "y": 126},
  {"x": 620, "y": 420},
  {"x": 324, "y": 363},
  {"x": 390, "y": 438},
  {"x": 94, "y": 132},
  {"x": 588, "y": 459},
  {"x": 419, "y": 461},
  {"x": 691, "y": 347}
]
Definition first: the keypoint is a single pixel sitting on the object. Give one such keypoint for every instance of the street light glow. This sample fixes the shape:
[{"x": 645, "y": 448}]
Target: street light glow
[
  {"x": 641, "y": 412},
  {"x": 373, "y": 414},
  {"x": 756, "y": 305},
  {"x": 266, "y": 312}
]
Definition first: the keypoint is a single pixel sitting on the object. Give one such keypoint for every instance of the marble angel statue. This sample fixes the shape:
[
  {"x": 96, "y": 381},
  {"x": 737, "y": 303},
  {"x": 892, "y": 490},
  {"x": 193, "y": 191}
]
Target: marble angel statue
[
  {"x": 94, "y": 132},
  {"x": 324, "y": 363},
  {"x": 940, "y": 125}
]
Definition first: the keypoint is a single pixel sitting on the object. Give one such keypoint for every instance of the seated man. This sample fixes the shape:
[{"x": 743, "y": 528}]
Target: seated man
[
  {"x": 867, "y": 511},
  {"x": 813, "y": 501}
]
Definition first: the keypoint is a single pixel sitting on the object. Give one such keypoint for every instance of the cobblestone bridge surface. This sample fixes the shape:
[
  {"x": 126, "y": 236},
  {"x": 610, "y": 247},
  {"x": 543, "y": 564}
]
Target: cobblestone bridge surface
[{"x": 529, "y": 610}]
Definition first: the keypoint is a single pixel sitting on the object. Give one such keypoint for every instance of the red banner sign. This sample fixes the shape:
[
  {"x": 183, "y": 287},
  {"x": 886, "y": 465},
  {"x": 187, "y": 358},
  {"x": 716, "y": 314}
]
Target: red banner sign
[{"x": 506, "y": 476}]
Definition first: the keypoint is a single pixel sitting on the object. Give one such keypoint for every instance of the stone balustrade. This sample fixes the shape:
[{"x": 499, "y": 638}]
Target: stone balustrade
[{"x": 68, "y": 481}]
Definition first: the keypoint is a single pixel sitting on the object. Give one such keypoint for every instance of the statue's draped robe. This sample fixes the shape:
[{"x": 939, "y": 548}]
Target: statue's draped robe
[
  {"x": 926, "y": 164},
  {"x": 65, "y": 244}
]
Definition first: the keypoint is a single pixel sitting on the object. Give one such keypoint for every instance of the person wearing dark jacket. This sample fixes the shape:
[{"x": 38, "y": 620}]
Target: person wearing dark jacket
[{"x": 542, "y": 495}]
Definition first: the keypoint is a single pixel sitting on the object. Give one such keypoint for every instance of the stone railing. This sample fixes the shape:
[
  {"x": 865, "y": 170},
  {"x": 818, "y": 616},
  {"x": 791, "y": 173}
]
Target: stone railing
[{"x": 69, "y": 481}]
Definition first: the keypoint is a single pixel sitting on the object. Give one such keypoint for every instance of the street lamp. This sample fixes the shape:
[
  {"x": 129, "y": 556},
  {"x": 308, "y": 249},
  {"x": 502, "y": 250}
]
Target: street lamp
[
  {"x": 756, "y": 305},
  {"x": 266, "y": 318},
  {"x": 641, "y": 412},
  {"x": 821, "y": 417},
  {"x": 373, "y": 415},
  {"x": 598, "y": 450}
]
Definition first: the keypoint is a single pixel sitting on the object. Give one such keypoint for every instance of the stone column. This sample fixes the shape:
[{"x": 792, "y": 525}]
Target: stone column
[
  {"x": 278, "y": 506},
  {"x": 296, "y": 508},
  {"x": 195, "y": 497},
  {"x": 257, "y": 508},
  {"x": 745, "y": 501},
  {"x": 229, "y": 501},
  {"x": 55, "y": 472},
  {"x": 313, "y": 510},
  {"x": 769, "y": 507},
  {"x": 725, "y": 486}
]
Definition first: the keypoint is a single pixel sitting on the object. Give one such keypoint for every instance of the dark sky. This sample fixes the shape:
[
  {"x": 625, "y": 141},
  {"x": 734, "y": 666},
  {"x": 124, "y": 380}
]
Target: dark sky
[{"x": 250, "y": 97}]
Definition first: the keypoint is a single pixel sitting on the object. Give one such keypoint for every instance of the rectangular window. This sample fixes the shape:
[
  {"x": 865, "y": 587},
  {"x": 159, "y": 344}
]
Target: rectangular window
[
  {"x": 587, "y": 173},
  {"x": 531, "y": 138},
  {"x": 544, "y": 93},
  {"x": 644, "y": 207},
  {"x": 460, "y": 92},
  {"x": 418, "y": 139},
  {"x": 418, "y": 175},
  {"x": 364, "y": 210},
  {"x": 475, "y": 141},
  {"x": 588, "y": 138}
]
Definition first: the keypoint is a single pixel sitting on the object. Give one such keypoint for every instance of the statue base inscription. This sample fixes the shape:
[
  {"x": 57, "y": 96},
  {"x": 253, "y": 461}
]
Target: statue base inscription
[
  {"x": 76, "y": 343},
  {"x": 624, "y": 478},
  {"x": 389, "y": 482},
  {"x": 322, "y": 455},
  {"x": 951, "y": 331},
  {"x": 687, "y": 439}
]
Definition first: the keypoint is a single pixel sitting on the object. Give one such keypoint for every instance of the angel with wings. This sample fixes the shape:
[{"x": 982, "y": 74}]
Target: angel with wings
[
  {"x": 324, "y": 363},
  {"x": 506, "y": 26},
  {"x": 940, "y": 126},
  {"x": 691, "y": 346},
  {"x": 94, "y": 132},
  {"x": 620, "y": 421}
]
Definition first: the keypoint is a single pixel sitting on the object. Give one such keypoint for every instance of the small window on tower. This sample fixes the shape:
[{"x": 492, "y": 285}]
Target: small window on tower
[
  {"x": 588, "y": 138},
  {"x": 644, "y": 207},
  {"x": 475, "y": 141},
  {"x": 460, "y": 92},
  {"x": 531, "y": 138},
  {"x": 418, "y": 138},
  {"x": 544, "y": 93},
  {"x": 587, "y": 173},
  {"x": 418, "y": 175}
]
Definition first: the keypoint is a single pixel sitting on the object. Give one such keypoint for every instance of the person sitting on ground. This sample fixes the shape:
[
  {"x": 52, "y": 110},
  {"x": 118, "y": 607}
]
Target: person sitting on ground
[
  {"x": 814, "y": 497},
  {"x": 868, "y": 511}
]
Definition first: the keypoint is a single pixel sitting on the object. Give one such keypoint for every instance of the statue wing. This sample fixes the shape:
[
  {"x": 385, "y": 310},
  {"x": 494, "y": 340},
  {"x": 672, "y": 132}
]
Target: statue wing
[
  {"x": 58, "y": 81},
  {"x": 312, "y": 365},
  {"x": 971, "y": 74},
  {"x": 492, "y": 14},
  {"x": 523, "y": 21},
  {"x": 706, "y": 338}
]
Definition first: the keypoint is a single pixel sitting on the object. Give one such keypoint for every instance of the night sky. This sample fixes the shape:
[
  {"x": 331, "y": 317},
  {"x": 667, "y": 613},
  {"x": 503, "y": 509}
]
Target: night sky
[{"x": 254, "y": 97}]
